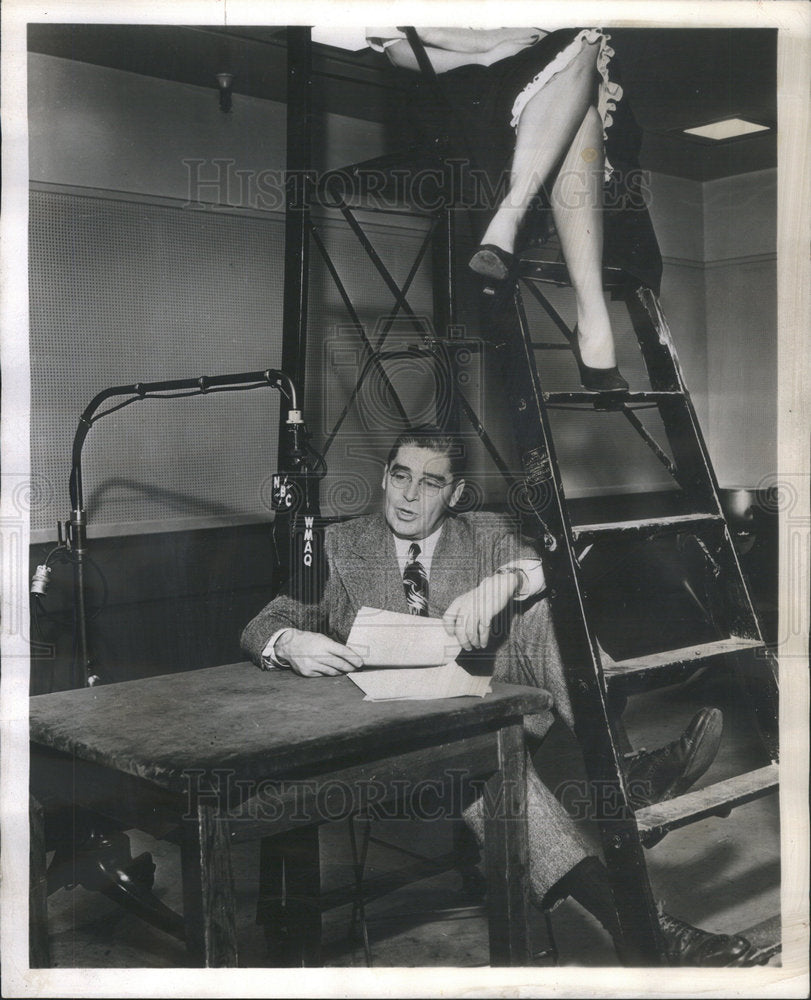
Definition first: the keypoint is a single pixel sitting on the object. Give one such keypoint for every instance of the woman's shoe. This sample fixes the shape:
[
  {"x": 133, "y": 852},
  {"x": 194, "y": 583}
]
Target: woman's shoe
[
  {"x": 602, "y": 379},
  {"x": 598, "y": 379},
  {"x": 490, "y": 261}
]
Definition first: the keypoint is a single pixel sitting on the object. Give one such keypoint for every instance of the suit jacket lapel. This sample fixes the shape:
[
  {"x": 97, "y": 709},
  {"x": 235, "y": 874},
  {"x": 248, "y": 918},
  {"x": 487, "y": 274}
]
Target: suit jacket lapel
[
  {"x": 369, "y": 569},
  {"x": 452, "y": 569}
]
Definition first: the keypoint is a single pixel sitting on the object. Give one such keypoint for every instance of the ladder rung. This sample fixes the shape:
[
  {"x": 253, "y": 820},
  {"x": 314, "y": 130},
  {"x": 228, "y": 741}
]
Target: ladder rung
[
  {"x": 646, "y": 526},
  {"x": 587, "y": 396},
  {"x": 697, "y": 805},
  {"x": 698, "y": 654},
  {"x": 557, "y": 273},
  {"x": 766, "y": 937}
]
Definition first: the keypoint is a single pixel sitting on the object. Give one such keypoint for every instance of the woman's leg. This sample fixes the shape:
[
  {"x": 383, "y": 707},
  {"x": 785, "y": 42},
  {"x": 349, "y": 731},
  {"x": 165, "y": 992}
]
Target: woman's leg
[
  {"x": 561, "y": 123},
  {"x": 577, "y": 206},
  {"x": 547, "y": 126}
]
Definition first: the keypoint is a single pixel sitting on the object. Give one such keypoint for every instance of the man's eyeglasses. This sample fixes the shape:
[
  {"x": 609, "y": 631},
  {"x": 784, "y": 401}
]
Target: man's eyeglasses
[{"x": 401, "y": 480}]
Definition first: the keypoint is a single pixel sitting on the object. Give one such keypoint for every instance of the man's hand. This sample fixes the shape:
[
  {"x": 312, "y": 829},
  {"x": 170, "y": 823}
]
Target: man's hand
[
  {"x": 314, "y": 655},
  {"x": 469, "y": 617}
]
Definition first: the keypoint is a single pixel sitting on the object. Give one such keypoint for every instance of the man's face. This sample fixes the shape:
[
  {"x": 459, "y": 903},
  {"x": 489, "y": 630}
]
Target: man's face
[{"x": 418, "y": 489}]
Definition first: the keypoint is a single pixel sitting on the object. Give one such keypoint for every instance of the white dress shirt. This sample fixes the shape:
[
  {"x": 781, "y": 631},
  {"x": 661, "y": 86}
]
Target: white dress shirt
[{"x": 531, "y": 581}]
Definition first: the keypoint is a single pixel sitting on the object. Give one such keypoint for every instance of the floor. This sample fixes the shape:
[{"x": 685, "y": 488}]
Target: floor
[{"x": 720, "y": 874}]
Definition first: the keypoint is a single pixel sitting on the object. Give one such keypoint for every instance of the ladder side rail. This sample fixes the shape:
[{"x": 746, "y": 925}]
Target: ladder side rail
[
  {"x": 594, "y": 728},
  {"x": 686, "y": 441},
  {"x": 684, "y": 435},
  {"x": 733, "y": 610},
  {"x": 759, "y": 669},
  {"x": 690, "y": 449}
]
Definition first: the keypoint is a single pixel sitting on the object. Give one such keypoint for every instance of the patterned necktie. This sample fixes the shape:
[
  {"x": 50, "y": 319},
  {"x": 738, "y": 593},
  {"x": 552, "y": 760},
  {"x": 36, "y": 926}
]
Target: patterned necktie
[{"x": 415, "y": 583}]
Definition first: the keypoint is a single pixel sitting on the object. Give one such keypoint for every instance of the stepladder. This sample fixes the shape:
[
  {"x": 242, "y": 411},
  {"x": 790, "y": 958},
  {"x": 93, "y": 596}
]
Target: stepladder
[
  {"x": 597, "y": 682},
  {"x": 530, "y": 399}
]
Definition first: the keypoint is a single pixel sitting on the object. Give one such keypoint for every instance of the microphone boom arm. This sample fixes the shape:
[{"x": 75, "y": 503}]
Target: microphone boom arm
[
  {"x": 292, "y": 464},
  {"x": 271, "y": 377}
]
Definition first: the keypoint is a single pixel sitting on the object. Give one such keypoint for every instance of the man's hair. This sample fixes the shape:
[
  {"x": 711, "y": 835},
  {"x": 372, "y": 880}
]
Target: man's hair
[{"x": 434, "y": 438}]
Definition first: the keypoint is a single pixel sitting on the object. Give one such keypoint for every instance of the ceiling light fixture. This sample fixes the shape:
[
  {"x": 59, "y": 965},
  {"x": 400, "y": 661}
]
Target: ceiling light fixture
[{"x": 728, "y": 128}]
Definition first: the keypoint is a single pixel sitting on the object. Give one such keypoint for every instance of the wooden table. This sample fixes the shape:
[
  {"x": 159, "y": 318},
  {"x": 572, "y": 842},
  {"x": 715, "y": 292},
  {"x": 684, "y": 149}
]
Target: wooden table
[{"x": 232, "y": 753}]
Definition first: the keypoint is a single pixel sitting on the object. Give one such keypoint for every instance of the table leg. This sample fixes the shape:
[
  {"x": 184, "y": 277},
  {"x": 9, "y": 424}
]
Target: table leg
[
  {"x": 290, "y": 897},
  {"x": 505, "y": 842},
  {"x": 39, "y": 956},
  {"x": 208, "y": 888}
]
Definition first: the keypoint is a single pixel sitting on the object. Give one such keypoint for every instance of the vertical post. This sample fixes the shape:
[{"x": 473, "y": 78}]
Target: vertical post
[
  {"x": 302, "y": 886},
  {"x": 444, "y": 294},
  {"x": 296, "y": 255},
  {"x": 506, "y": 851},
  {"x": 442, "y": 266},
  {"x": 297, "y": 210},
  {"x": 209, "y": 911},
  {"x": 290, "y": 897},
  {"x": 78, "y": 535},
  {"x": 39, "y": 956}
]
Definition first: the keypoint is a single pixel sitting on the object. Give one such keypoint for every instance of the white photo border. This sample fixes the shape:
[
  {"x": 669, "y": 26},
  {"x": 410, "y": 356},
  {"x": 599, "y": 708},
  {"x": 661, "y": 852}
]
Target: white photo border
[{"x": 793, "y": 22}]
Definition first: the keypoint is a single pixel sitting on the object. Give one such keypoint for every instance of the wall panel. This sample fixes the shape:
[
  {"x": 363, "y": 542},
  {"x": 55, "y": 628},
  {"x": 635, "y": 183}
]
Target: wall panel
[{"x": 123, "y": 292}]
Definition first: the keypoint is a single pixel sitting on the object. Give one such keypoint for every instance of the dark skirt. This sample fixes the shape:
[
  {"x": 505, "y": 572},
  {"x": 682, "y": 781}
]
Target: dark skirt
[{"x": 465, "y": 116}]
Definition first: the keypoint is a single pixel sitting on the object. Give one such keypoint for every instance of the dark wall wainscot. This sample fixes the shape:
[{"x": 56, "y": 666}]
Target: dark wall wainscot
[
  {"x": 158, "y": 603},
  {"x": 175, "y": 601}
]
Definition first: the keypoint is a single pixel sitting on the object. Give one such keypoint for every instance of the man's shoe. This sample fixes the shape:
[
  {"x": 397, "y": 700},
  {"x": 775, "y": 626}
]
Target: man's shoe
[
  {"x": 669, "y": 771},
  {"x": 688, "y": 945}
]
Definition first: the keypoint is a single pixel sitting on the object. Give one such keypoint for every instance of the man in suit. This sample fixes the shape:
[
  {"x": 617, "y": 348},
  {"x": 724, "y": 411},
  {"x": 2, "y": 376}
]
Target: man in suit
[{"x": 475, "y": 572}]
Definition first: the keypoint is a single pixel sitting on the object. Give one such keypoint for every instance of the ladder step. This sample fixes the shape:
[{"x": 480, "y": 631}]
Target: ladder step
[
  {"x": 589, "y": 396},
  {"x": 689, "y": 465},
  {"x": 645, "y": 527},
  {"x": 556, "y": 272},
  {"x": 699, "y": 654},
  {"x": 694, "y": 806},
  {"x": 765, "y": 937}
]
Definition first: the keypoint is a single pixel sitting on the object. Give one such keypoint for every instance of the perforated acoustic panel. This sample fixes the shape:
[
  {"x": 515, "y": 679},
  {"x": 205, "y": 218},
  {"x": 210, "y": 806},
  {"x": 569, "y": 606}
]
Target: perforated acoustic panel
[{"x": 123, "y": 292}]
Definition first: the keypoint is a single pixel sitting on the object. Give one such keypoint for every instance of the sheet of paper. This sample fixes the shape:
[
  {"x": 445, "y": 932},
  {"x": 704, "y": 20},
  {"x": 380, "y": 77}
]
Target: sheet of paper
[
  {"x": 392, "y": 639},
  {"x": 420, "y": 684}
]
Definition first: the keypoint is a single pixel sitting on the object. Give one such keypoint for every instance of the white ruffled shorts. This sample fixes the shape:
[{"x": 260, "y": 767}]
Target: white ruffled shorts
[{"x": 609, "y": 92}]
